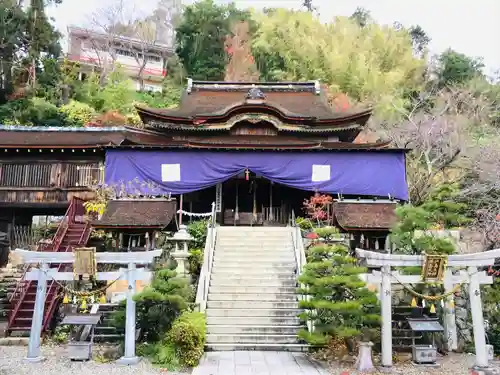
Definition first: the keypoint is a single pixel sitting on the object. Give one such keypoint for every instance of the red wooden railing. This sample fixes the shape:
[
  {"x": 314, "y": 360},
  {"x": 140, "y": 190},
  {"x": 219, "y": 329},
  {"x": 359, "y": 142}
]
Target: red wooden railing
[{"x": 74, "y": 215}]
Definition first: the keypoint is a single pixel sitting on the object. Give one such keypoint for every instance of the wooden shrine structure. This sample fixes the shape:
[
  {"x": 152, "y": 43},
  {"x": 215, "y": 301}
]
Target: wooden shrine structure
[{"x": 42, "y": 168}]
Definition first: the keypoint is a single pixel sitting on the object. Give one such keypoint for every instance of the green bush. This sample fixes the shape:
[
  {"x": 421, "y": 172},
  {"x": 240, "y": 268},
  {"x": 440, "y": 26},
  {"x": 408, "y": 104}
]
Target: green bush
[
  {"x": 43, "y": 113},
  {"x": 188, "y": 337},
  {"x": 158, "y": 305},
  {"x": 77, "y": 113},
  {"x": 198, "y": 230},
  {"x": 304, "y": 223},
  {"x": 195, "y": 260},
  {"x": 327, "y": 233}
]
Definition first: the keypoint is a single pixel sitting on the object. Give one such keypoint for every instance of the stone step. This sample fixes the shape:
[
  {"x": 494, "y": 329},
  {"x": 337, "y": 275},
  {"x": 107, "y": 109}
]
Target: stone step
[
  {"x": 257, "y": 347},
  {"x": 253, "y": 312},
  {"x": 14, "y": 341},
  {"x": 251, "y": 290},
  {"x": 259, "y": 304},
  {"x": 254, "y": 329},
  {"x": 291, "y": 283},
  {"x": 108, "y": 337},
  {"x": 248, "y": 269},
  {"x": 277, "y": 243},
  {"x": 251, "y": 257},
  {"x": 232, "y": 229},
  {"x": 249, "y": 297},
  {"x": 251, "y": 339},
  {"x": 256, "y": 263},
  {"x": 256, "y": 320},
  {"x": 233, "y": 277}
]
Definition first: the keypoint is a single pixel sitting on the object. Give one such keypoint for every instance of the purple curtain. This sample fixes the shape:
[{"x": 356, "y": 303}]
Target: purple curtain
[{"x": 375, "y": 173}]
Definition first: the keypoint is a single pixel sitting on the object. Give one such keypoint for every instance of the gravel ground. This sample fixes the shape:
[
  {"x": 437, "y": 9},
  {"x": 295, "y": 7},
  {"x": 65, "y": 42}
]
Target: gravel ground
[
  {"x": 56, "y": 363},
  {"x": 12, "y": 363},
  {"x": 452, "y": 364}
]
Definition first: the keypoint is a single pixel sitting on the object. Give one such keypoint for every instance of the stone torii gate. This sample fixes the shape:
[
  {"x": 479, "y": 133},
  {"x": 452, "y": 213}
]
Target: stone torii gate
[
  {"x": 44, "y": 274},
  {"x": 472, "y": 276}
]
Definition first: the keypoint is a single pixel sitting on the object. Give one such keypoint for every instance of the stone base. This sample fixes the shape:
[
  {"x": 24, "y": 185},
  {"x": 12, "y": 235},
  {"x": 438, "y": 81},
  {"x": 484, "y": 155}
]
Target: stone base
[
  {"x": 483, "y": 371},
  {"x": 128, "y": 361},
  {"x": 385, "y": 369},
  {"x": 34, "y": 359}
]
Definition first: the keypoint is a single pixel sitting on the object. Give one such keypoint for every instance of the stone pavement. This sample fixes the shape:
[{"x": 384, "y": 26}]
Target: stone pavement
[{"x": 257, "y": 363}]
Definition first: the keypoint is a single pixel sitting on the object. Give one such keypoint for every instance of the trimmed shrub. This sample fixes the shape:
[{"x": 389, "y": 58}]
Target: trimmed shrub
[
  {"x": 188, "y": 337},
  {"x": 77, "y": 113}
]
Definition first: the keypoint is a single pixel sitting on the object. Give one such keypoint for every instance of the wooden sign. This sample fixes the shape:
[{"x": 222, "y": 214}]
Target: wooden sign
[
  {"x": 434, "y": 267},
  {"x": 85, "y": 262}
]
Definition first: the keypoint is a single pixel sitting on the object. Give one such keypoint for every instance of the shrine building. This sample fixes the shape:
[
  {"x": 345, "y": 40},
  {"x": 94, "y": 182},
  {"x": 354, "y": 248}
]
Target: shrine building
[{"x": 255, "y": 149}]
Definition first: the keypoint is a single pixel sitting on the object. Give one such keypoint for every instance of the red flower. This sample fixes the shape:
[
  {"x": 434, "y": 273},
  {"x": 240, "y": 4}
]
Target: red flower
[{"x": 312, "y": 236}]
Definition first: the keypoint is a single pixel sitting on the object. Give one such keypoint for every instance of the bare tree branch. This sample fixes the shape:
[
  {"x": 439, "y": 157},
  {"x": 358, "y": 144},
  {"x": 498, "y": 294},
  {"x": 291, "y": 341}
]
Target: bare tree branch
[{"x": 439, "y": 131}]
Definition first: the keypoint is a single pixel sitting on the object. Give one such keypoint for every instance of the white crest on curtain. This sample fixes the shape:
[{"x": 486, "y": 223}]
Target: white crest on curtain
[
  {"x": 320, "y": 173},
  {"x": 170, "y": 172}
]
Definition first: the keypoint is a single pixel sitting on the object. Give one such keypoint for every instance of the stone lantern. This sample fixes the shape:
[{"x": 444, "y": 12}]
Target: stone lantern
[{"x": 181, "y": 253}]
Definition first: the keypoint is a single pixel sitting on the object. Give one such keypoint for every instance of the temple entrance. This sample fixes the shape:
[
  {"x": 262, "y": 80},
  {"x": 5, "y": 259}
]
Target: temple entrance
[
  {"x": 250, "y": 199},
  {"x": 247, "y": 199}
]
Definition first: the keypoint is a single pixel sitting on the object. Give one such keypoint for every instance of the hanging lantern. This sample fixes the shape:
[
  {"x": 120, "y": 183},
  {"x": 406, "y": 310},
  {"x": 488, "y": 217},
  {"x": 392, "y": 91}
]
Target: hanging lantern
[{"x": 433, "y": 309}]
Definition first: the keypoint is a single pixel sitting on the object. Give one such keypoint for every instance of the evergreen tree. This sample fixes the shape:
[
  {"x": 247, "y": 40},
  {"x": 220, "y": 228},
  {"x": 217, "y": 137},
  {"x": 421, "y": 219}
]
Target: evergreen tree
[
  {"x": 445, "y": 211},
  {"x": 340, "y": 306},
  {"x": 159, "y": 304}
]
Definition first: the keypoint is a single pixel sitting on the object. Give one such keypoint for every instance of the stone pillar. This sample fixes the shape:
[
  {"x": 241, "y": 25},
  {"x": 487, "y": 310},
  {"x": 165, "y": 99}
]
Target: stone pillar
[
  {"x": 477, "y": 319},
  {"x": 386, "y": 307},
  {"x": 449, "y": 309},
  {"x": 37, "y": 322},
  {"x": 181, "y": 253},
  {"x": 364, "y": 361},
  {"x": 129, "y": 357}
]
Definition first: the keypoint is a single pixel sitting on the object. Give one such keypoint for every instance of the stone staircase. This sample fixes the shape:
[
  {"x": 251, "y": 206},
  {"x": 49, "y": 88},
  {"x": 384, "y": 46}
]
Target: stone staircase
[
  {"x": 252, "y": 302},
  {"x": 105, "y": 332},
  {"x": 9, "y": 277}
]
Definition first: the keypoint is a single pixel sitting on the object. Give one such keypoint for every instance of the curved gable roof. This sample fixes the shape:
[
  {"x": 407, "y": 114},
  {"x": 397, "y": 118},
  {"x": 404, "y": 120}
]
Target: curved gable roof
[{"x": 292, "y": 101}]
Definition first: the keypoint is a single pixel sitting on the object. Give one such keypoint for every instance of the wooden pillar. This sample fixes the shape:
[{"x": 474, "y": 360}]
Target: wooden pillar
[{"x": 180, "y": 208}]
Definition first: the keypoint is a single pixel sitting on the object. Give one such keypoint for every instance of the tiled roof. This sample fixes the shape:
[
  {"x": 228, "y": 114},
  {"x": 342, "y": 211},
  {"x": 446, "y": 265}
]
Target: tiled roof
[
  {"x": 60, "y": 137},
  {"x": 365, "y": 216},
  {"x": 137, "y": 213},
  {"x": 293, "y": 100}
]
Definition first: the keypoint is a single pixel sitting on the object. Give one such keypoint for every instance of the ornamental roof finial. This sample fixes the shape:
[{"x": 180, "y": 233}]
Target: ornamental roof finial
[{"x": 255, "y": 94}]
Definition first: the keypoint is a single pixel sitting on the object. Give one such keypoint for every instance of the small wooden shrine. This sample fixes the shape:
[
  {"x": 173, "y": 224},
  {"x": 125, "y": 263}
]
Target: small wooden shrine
[{"x": 135, "y": 223}]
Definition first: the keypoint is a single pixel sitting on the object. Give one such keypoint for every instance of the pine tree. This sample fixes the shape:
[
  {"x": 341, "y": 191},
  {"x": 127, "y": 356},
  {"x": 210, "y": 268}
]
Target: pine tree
[
  {"x": 340, "y": 306},
  {"x": 445, "y": 211}
]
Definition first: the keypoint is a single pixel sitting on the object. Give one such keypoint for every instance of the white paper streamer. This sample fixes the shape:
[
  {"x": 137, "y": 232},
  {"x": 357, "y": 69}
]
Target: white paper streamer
[{"x": 194, "y": 214}]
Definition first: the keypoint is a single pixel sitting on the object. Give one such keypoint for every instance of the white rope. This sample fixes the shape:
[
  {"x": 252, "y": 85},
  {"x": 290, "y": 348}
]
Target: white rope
[{"x": 194, "y": 214}]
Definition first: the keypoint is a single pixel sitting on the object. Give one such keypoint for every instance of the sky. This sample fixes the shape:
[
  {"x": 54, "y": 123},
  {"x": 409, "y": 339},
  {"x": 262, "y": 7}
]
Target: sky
[{"x": 467, "y": 26}]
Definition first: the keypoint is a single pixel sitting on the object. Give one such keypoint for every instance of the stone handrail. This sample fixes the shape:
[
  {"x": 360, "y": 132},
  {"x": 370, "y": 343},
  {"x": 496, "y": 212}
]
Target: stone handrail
[{"x": 206, "y": 269}]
